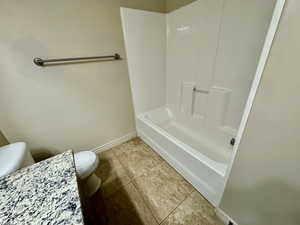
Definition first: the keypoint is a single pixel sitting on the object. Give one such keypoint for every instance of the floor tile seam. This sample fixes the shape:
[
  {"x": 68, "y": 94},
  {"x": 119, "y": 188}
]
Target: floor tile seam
[
  {"x": 102, "y": 163},
  {"x": 179, "y": 204},
  {"x": 188, "y": 195},
  {"x": 118, "y": 190},
  {"x": 113, "y": 150},
  {"x": 145, "y": 202},
  {"x": 145, "y": 173},
  {"x": 123, "y": 166},
  {"x": 134, "y": 177},
  {"x": 131, "y": 178},
  {"x": 127, "y": 174}
]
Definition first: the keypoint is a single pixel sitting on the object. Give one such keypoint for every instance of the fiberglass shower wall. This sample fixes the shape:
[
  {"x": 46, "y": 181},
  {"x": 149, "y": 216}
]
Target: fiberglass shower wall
[
  {"x": 145, "y": 41},
  {"x": 210, "y": 45},
  {"x": 214, "y": 46}
]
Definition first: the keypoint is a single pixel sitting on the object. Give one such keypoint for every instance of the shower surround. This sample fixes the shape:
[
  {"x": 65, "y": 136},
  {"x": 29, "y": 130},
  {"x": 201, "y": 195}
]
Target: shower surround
[{"x": 191, "y": 71}]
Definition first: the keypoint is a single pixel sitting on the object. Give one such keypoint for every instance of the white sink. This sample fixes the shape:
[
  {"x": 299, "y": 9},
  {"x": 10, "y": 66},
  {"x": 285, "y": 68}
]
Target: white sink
[{"x": 14, "y": 157}]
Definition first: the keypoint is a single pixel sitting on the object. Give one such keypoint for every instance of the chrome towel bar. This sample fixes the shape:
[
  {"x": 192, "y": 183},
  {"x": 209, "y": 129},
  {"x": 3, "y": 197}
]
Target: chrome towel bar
[{"x": 41, "y": 62}]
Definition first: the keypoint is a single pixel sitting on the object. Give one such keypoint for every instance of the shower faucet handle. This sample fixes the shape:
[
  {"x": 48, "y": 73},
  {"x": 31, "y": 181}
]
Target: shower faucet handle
[{"x": 232, "y": 141}]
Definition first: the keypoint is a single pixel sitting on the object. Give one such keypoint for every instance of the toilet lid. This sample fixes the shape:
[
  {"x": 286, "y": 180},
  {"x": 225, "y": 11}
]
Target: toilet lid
[{"x": 85, "y": 163}]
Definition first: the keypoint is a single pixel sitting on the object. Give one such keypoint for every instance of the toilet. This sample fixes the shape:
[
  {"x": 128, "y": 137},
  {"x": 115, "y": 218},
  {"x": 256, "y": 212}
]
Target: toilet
[
  {"x": 13, "y": 157},
  {"x": 86, "y": 163}
]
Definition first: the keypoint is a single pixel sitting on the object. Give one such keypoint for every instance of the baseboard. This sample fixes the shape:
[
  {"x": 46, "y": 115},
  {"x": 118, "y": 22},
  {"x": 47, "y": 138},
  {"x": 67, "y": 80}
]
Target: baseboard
[
  {"x": 224, "y": 217},
  {"x": 114, "y": 142}
]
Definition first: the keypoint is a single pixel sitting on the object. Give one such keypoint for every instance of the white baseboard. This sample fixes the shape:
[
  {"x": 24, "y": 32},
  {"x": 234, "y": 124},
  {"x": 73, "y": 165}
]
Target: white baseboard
[
  {"x": 224, "y": 217},
  {"x": 114, "y": 142}
]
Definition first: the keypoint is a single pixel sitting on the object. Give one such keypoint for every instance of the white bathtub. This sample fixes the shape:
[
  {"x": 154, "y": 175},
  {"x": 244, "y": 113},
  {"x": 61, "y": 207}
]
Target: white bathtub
[{"x": 201, "y": 160}]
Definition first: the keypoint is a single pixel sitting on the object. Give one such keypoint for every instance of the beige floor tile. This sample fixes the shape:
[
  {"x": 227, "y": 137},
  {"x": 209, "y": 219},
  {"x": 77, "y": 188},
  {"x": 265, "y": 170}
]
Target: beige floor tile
[
  {"x": 106, "y": 156},
  {"x": 127, "y": 146},
  {"x": 132, "y": 145},
  {"x": 163, "y": 190},
  {"x": 195, "y": 210},
  {"x": 112, "y": 174},
  {"x": 137, "y": 157},
  {"x": 157, "y": 193},
  {"x": 127, "y": 207}
]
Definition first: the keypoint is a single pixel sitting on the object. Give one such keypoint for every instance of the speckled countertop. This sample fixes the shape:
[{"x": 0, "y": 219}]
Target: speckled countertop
[{"x": 44, "y": 193}]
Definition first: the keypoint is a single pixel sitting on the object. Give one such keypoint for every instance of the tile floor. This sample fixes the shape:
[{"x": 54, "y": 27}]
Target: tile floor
[{"x": 140, "y": 188}]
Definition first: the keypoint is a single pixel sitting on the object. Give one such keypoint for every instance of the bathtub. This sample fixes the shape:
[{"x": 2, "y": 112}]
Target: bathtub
[{"x": 200, "y": 159}]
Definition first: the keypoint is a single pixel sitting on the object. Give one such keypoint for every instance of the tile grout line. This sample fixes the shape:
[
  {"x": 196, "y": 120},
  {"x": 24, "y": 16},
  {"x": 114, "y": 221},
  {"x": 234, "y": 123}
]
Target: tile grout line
[
  {"x": 141, "y": 195},
  {"x": 131, "y": 179},
  {"x": 119, "y": 188},
  {"x": 135, "y": 177},
  {"x": 148, "y": 207},
  {"x": 179, "y": 204},
  {"x": 122, "y": 166},
  {"x": 139, "y": 192},
  {"x": 189, "y": 194},
  {"x": 133, "y": 183},
  {"x": 126, "y": 170}
]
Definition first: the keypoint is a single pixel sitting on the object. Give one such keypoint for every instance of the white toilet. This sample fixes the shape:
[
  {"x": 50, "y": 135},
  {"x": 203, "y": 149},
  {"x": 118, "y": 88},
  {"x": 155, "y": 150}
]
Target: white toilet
[
  {"x": 86, "y": 163},
  {"x": 13, "y": 157}
]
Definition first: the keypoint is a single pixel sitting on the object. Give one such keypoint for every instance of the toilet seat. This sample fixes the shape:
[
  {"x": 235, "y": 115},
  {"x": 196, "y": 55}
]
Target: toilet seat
[{"x": 85, "y": 162}]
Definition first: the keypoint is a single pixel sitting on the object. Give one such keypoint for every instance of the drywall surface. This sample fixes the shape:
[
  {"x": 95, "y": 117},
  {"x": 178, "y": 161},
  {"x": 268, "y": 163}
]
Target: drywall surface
[
  {"x": 3, "y": 140},
  {"x": 79, "y": 106},
  {"x": 145, "y": 41},
  {"x": 263, "y": 187},
  {"x": 172, "y": 5}
]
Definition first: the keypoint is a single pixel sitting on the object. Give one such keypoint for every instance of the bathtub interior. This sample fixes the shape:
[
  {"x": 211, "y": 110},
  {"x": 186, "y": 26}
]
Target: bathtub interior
[
  {"x": 212, "y": 143},
  {"x": 208, "y": 143}
]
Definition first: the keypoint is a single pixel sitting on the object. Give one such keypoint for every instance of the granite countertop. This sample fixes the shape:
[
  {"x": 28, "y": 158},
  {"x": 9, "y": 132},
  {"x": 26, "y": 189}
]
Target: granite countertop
[{"x": 44, "y": 193}]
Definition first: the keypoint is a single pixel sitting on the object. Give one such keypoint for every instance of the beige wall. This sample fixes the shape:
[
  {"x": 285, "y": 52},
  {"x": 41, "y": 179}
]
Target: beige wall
[
  {"x": 3, "y": 140},
  {"x": 79, "y": 106},
  {"x": 264, "y": 186},
  {"x": 175, "y": 4}
]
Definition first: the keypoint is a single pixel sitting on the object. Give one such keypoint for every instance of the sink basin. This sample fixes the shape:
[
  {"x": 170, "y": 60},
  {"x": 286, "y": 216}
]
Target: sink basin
[{"x": 13, "y": 157}]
